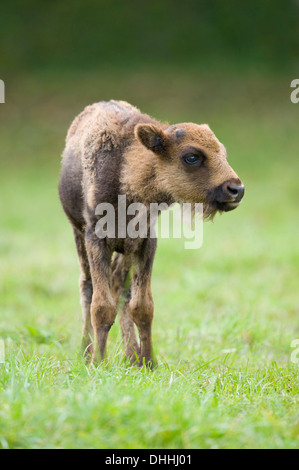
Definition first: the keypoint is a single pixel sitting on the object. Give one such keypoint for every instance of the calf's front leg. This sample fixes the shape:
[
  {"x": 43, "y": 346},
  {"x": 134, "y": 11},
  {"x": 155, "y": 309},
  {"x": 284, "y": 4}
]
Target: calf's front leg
[{"x": 85, "y": 284}]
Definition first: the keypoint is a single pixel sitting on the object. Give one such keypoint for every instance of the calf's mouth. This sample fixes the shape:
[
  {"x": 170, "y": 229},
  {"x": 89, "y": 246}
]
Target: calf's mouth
[{"x": 227, "y": 206}]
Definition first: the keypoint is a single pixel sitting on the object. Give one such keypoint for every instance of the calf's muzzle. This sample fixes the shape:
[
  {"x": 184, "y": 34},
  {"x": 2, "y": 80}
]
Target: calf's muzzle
[{"x": 229, "y": 194}]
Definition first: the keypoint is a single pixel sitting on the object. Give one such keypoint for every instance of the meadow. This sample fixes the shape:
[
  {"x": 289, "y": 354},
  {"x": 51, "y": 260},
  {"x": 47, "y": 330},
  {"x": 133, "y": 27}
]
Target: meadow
[{"x": 225, "y": 315}]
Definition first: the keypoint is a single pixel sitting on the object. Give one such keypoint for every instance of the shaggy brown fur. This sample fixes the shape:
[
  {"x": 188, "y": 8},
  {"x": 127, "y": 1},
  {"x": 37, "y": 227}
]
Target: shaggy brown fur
[{"x": 113, "y": 149}]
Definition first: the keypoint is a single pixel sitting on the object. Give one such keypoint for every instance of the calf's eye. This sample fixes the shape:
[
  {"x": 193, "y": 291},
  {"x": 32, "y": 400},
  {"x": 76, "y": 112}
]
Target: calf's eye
[{"x": 193, "y": 159}]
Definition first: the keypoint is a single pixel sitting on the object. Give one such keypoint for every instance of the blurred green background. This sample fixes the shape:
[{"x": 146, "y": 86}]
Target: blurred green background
[
  {"x": 228, "y": 310},
  {"x": 85, "y": 34}
]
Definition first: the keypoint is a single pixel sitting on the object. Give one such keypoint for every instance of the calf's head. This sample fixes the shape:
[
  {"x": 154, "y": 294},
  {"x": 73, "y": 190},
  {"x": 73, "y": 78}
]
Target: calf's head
[{"x": 192, "y": 165}]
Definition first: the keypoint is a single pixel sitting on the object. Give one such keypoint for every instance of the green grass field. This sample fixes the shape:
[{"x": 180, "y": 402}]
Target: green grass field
[{"x": 225, "y": 315}]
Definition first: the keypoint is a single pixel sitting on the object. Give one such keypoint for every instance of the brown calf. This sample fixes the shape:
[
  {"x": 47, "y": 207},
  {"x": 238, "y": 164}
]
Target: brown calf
[{"x": 113, "y": 149}]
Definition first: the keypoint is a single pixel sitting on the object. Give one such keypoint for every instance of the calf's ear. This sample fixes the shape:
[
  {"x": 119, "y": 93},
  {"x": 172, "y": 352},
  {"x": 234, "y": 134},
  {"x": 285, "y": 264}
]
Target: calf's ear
[{"x": 152, "y": 137}]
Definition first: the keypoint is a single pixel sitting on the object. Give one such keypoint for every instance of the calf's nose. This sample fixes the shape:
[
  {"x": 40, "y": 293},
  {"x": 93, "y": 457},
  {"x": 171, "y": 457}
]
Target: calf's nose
[{"x": 235, "y": 191}]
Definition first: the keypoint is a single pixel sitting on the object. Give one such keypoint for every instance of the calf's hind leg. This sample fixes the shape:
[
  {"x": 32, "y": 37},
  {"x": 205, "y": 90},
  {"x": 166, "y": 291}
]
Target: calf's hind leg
[
  {"x": 131, "y": 345},
  {"x": 141, "y": 304},
  {"x": 121, "y": 288},
  {"x": 103, "y": 305}
]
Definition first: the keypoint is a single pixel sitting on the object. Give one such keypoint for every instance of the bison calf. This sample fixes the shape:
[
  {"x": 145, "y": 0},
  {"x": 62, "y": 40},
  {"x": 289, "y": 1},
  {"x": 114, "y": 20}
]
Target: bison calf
[{"x": 113, "y": 149}]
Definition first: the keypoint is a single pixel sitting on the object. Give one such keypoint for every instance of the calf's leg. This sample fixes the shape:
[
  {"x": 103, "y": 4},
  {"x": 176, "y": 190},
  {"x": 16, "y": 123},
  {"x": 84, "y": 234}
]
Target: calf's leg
[
  {"x": 85, "y": 284},
  {"x": 141, "y": 304},
  {"x": 120, "y": 287},
  {"x": 128, "y": 331},
  {"x": 103, "y": 305}
]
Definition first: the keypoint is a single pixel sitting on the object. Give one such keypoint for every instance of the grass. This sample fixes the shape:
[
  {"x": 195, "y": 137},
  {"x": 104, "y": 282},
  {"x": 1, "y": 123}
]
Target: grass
[{"x": 225, "y": 315}]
